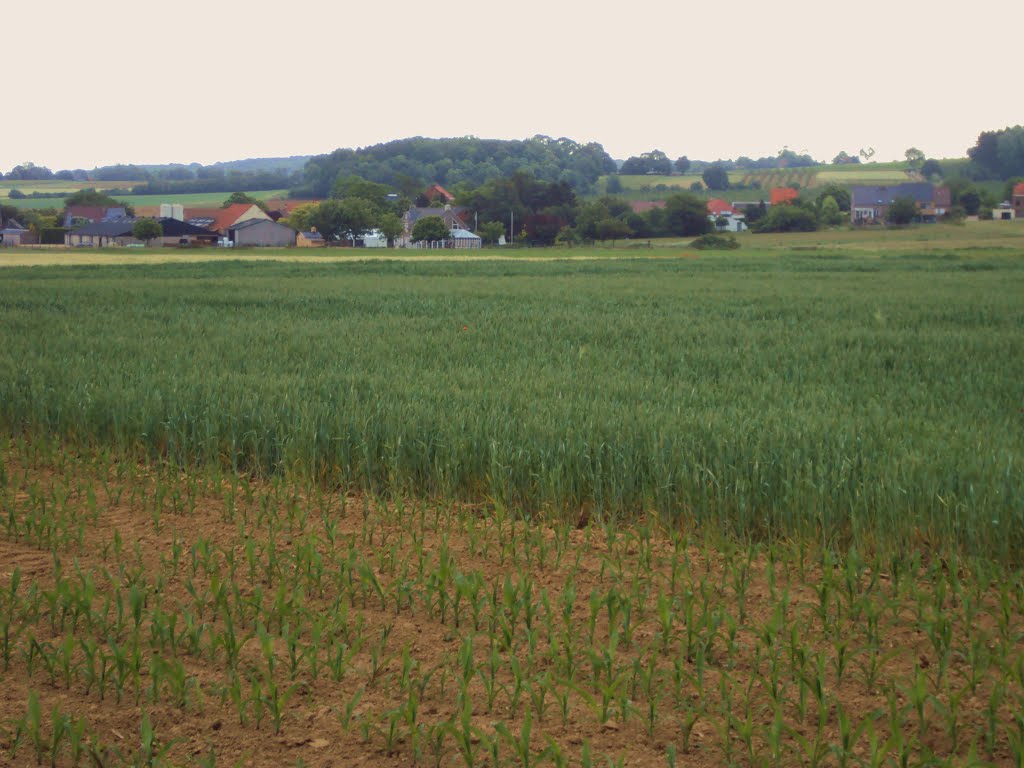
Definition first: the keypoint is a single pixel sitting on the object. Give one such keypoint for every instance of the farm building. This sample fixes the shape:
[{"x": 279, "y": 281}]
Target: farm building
[
  {"x": 13, "y": 234},
  {"x": 311, "y": 239},
  {"x": 261, "y": 233},
  {"x": 220, "y": 220},
  {"x": 871, "y": 204},
  {"x": 104, "y": 234},
  {"x": 180, "y": 233}
]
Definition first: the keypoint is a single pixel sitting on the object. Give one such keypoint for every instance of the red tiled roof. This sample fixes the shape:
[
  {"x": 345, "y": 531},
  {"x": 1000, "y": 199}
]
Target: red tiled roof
[
  {"x": 718, "y": 207},
  {"x": 783, "y": 195},
  {"x": 642, "y": 206},
  {"x": 222, "y": 217},
  {"x": 93, "y": 213},
  {"x": 1019, "y": 189},
  {"x": 439, "y": 190}
]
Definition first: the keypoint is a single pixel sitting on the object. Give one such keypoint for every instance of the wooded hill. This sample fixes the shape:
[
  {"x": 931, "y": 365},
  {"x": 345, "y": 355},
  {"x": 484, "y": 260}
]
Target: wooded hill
[{"x": 408, "y": 165}]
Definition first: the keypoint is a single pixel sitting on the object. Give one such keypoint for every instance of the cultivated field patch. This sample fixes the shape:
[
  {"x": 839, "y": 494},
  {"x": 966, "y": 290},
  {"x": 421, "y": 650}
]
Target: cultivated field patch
[{"x": 153, "y": 615}]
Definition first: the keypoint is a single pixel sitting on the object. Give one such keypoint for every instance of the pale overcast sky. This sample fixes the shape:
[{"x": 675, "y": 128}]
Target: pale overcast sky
[{"x": 182, "y": 80}]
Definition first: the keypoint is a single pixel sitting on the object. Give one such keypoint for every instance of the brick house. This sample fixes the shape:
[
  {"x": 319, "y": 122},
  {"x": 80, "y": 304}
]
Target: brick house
[
  {"x": 92, "y": 214},
  {"x": 454, "y": 218},
  {"x": 869, "y": 205},
  {"x": 1018, "y": 200}
]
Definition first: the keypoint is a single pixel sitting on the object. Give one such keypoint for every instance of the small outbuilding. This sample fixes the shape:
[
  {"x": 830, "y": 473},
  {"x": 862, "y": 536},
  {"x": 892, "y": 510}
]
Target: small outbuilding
[
  {"x": 463, "y": 238},
  {"x": 374, "y": 239},
  {"x": 13, "y": 234},
  {"x": 311, "y": 239},
  {"x": 261, "y": 233},
  {"x": 1004, "y": 212}
]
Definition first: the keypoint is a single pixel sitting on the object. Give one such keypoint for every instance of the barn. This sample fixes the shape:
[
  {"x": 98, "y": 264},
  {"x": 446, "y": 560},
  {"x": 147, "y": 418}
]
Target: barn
[{"x": 261, "y": 233}]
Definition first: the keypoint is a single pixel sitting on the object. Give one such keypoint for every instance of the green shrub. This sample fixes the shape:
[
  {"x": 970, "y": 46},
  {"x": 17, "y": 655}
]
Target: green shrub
[{"x": 713, "y": 242}]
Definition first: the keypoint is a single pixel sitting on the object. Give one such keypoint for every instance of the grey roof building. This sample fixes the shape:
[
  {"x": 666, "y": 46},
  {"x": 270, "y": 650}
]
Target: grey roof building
[
  {"x": 261, "y": 233},
  {"x": 871, "y": 203},
  {"x": 119, "y": 232}
]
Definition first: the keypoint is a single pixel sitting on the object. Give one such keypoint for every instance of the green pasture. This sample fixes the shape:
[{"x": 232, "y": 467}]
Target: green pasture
[
  {"x": 194, "y": 199},
  {"x": 56, "y": 185},
  {"x": 806, "y": 387},
  {"x": 863, "y": 176},
  {"x": 647, "y": 187}
]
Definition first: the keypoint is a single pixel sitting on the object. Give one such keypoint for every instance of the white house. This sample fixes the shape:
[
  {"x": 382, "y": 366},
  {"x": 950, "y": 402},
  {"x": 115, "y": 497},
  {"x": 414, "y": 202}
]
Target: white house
[{"x": 725, "y": 217}]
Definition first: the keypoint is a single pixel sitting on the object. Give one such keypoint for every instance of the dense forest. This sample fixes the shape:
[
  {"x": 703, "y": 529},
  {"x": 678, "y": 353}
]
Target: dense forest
[{"x": 409, "y": 164}]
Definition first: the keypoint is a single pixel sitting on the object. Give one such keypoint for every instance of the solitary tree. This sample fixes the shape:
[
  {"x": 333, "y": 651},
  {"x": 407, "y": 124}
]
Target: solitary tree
[
  {"x": 492, "y": 231},
  {"x": 147, "y": 229},
  {"x": 242, "y": 197},
  {"x": 838, "y": 193},
  {"x": 830, "y": 213},
  {"x": 930, "y": 168},
  {"x": 788, "y": 218},
  {"x": 301, "y": 217},
  {"x": 683, "y": 164},
  {"x": 429, "y": 228},
  {"x": 612, "y": 229},
  {"x": 358, "y": 216},
  {"x": 902, "y": 211},
  {"x": 716, "y": 177},
  {"x": 391, "y": 227},
  {"x": 915, "y": 158},
  {"x": 685, "y": 215}
]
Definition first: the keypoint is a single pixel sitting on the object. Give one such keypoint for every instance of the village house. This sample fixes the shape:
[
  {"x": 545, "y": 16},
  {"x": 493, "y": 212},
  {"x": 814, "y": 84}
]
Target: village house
[
  {"x": 454, "y": 218},
  {"x": 870, "y": 205},
  {"x": 77, "y": 215},
  {"x": 725, "y": 217},
  {"x": 1018, "y": 200}
]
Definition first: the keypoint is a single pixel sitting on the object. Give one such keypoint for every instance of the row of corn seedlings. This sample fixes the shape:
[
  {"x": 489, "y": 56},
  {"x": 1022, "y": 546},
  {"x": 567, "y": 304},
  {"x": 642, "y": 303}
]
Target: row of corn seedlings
[{"x": 283, "y": 598}]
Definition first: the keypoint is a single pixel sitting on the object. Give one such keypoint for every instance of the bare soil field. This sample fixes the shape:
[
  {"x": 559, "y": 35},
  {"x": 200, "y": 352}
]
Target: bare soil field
[{"x": 155, "y": 616}]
